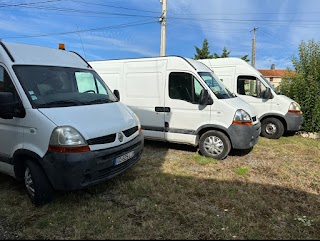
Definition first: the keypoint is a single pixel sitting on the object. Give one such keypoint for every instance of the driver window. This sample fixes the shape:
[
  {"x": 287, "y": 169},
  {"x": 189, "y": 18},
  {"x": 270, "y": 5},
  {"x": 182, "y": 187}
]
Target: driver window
[
  {"x": 251, "y": 86},
  {"x": 6, "y": 84},
  {"x": 184, "y": 86}
]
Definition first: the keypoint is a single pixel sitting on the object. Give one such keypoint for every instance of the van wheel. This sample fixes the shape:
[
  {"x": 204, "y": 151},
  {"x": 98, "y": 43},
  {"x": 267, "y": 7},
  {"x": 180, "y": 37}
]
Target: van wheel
[
  {"x": 214, "y": 144},
  {"x": 37, "y": 184},
  {"x": 272, "y": 128}
]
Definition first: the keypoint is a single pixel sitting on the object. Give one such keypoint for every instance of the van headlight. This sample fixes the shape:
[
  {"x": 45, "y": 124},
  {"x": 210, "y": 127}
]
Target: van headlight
[
  {"x": 242, "y": 117},
  {"x": 294, "y": 108},
  {"x": 138, "y": 120},
  {"x": 67, "y": 139}
]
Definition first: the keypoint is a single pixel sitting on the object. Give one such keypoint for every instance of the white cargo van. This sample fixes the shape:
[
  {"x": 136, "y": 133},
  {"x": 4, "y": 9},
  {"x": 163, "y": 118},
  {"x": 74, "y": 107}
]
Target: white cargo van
[
  {"x": 61, "y": 128},
  {"x": 277, "y": 113},
  {"x": 180, "y": 100}
]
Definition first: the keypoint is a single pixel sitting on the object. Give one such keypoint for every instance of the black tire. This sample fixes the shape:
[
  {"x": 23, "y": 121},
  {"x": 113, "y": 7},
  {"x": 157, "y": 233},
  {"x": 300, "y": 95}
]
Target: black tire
[
  {"x": 272, "y": 128},
  {"x": 214, "y": 144},
  {"x": 38, "y": 186}
]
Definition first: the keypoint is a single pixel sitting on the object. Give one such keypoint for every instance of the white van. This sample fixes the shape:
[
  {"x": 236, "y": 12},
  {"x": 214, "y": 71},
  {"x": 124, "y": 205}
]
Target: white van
[
  {"x": 61, "y": 128},
  {"x": 180, "y": 100},
  {"x": 277, "y": 113}
]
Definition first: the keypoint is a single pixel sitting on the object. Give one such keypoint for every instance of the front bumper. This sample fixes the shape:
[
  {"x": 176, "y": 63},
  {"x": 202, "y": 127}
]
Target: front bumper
[
  {"x": 80, "y": 170},
  {"x": 244, "y": 137},
  {"x": 294, "y": 121}
]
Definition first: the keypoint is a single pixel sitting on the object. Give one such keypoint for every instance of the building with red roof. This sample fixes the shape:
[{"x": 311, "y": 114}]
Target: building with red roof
[{"x": 275, "y": 75}]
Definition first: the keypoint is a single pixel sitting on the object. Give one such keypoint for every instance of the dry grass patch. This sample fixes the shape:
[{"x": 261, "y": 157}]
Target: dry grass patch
[{"x": 174, "y": 193}]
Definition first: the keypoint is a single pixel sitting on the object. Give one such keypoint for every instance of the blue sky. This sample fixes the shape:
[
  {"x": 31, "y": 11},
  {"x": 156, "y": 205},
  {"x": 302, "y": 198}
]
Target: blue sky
[{"x": 114, "y": 29}]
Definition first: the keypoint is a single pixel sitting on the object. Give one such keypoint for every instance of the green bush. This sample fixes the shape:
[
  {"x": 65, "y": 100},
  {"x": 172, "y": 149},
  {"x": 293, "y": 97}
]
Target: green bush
[{"x": 304, "y": 86}]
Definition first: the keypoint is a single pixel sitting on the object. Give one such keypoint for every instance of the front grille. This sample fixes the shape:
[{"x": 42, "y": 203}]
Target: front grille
[
  {"x": 254, "y": 118},
  {"x": 102, "y": 140},
  {"x": 130, "y": 131},
  {"x": 105, "y": 167},
  {"x": 111, "y": 171}
]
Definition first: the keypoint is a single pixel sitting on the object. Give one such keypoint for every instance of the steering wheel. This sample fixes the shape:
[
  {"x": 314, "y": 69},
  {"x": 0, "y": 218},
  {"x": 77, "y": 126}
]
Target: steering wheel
[{"x": 89, "y": 91}]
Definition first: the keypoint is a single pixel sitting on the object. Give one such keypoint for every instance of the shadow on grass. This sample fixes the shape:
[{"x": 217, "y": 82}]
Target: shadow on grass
[{"x": 150, "y": 202}]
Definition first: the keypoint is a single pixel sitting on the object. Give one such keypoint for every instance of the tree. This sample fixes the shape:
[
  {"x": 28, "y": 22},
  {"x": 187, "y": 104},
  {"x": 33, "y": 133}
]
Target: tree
[
  {"x": 245, "y": 58},
  {"x": 225, "y": 54},
  {"x": 203, "y": 53},
  {"x": 304, "y": 86}
]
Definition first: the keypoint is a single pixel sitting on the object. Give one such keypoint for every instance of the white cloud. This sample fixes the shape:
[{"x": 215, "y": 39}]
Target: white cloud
[{"x": 107, "y": 43}]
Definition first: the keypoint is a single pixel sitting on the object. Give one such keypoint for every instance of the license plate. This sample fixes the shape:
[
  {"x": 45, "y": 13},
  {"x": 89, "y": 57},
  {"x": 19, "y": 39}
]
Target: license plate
[{"x": 123, "y": 158}]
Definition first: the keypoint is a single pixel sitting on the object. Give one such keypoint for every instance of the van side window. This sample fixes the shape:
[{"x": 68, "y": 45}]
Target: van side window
[
  {"x": 184, "y": 86},
  {"x": 251, "y": 86},
  {"x": 6, "y": 84}
]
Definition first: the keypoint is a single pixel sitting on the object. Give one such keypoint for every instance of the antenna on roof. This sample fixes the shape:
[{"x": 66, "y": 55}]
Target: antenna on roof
[{"x": 81, "y": 43}]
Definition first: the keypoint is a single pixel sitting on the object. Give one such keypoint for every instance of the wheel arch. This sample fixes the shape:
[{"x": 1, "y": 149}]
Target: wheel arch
[
  {"x": 19, "y": 160},
  {"x": 203, "y": 129},
  {"x": 277, "y": 116}
]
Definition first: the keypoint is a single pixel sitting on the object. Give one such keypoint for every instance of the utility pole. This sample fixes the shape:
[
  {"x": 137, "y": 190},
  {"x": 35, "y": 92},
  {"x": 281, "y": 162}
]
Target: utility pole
[
  {"x": 253, "y": 61},
  {"x": 163, "y": 21}
]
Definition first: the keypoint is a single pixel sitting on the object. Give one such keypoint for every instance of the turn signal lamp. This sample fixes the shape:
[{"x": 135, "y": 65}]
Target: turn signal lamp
[{"x": 62, "y": 46}]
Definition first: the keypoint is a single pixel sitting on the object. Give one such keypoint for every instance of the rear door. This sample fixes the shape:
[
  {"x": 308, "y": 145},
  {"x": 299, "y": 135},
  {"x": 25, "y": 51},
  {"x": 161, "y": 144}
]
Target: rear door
[{"x": 143, "y": 84}]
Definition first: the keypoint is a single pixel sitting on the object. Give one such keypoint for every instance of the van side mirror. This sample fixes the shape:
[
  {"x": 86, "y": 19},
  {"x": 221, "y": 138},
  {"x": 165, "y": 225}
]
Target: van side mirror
[
  {"x": 205, "y": 98},
  {"x": 9, "y": 108},
  {"x": 117, "y": 94},
  {"x": 267, "y": 94}
]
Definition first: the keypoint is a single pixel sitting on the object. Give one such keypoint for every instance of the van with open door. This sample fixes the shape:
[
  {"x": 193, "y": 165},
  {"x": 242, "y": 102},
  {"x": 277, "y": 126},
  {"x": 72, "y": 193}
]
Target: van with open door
[
  {"x": 61, "y": 128},
  {"x": 180, "y": 100},
  {"x": 278, "y": 113}
]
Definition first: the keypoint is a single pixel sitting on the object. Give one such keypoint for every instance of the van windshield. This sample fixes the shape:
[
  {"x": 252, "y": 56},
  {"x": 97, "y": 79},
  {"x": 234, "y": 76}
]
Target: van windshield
[
  {"x": 49, "y": 87},
  {"x": 269, "y": 84},
  {"x": 217, "y": 87}
]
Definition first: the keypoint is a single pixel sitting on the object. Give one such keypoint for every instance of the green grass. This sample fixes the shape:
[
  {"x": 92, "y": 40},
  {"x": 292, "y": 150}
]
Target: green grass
[
  {"x": 174, "y": 193},
  {"x": 202, "y": 160},
  {"x": 242, "y": 171}
]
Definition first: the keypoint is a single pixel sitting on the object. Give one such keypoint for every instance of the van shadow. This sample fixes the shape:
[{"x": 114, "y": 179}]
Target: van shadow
[{"x": 192, "y": 149}]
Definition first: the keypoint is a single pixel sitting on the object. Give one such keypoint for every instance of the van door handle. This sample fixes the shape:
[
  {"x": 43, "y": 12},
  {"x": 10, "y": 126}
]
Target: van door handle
[{"x": 162, "y": 109}]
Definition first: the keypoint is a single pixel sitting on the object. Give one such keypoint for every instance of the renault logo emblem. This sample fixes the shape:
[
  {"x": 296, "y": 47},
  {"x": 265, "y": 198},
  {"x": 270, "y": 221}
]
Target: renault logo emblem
[{"x": 120, "y": 137}]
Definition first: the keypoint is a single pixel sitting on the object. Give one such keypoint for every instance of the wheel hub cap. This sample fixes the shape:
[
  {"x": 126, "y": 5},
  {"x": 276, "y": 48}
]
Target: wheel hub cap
[
  {"x": 271, "y": 128},
  {"x": 213, "y": 145},
  {"x": 28, "y": 182}
]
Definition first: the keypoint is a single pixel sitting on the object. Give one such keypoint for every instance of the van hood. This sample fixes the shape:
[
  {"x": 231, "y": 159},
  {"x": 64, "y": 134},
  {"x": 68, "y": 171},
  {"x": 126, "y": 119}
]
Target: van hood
[
  {"x": 284, "y": 99},
  {"x": 93, "y": 120},
  {"x": 239, "y": 103}
]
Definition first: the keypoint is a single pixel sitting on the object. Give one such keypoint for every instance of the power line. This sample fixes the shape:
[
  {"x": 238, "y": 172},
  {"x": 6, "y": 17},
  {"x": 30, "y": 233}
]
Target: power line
[
  {"x": 25, "y": 4},
  {"x": 81, "y": 31},
  {"x": 237, "y": 14},
  {"x": 195, "y": 26},
  {"x": 111, "y": 6},
  {"x": 243, "y": 20},
  {"x": 273, "y": 37},
  {"x": 87, "y": 11}
]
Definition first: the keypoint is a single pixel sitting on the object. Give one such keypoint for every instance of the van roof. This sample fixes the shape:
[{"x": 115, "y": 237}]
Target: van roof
[
  {"x": 26, "y": 54},
  {"x": 224, "y": 61},
  {"x": 199, "y": 67}
]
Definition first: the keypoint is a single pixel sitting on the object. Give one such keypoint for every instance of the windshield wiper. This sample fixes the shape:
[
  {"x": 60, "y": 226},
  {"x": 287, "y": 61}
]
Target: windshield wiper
[
  {"x": 99, "y": 101},
  {"x": 60, "y": 103}
]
